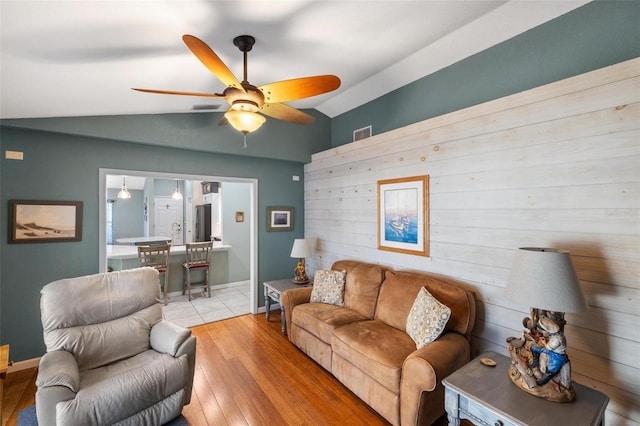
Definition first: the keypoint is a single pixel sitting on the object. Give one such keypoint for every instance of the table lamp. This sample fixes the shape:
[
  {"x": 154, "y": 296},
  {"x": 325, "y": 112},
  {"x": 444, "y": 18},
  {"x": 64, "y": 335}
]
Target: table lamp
[
  {"x": 545, "y": 280},
  {"x": 300, "y": 250}
]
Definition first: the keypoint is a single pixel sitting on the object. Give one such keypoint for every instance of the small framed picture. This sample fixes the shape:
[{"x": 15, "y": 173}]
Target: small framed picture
[
  {"x": 239, "y": 216},
  {"x": 44, "y": 221},
  {"x": 280, "y": 218}
]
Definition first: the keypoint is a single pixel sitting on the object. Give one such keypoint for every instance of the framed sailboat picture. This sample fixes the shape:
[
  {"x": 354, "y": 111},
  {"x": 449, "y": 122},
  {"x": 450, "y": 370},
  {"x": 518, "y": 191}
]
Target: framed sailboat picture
[{"x": 403, "y": 215}]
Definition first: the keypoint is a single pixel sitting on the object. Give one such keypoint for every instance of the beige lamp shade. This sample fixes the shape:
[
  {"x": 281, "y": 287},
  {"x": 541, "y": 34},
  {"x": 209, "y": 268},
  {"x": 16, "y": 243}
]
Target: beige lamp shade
[
  {"x": 545, "y": 278},
  {"x": 301, "y": 248}
]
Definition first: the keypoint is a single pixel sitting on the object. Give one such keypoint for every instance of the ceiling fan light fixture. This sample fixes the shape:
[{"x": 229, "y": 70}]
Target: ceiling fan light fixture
[
  {"x": 244, "y": 105},
  {"x": 245, "y": 121}
]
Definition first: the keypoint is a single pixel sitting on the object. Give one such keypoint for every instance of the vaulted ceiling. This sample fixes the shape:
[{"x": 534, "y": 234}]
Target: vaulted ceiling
[{"x": 81, "y": 58}]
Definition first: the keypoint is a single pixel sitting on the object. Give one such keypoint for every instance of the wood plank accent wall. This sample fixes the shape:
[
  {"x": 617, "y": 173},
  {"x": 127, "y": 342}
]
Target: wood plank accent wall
[{"x": 556, "y": 166}]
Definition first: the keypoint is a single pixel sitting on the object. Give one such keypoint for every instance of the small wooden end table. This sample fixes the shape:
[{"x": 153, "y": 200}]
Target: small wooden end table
[
  {"x": 485, "y": 396},
  {"x": 272, "y": 293},
  {"x": 4, "y": 366}
]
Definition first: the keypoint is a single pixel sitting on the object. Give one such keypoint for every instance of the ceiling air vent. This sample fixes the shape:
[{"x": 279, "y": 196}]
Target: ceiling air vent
[
  {"x": 363, "y": 133},
  {"x": 205, "y": 107}
]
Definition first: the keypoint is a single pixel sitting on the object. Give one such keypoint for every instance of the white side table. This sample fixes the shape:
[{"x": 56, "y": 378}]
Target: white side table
[
  {"x": 485, "y": 396},
  {"x": 272, "y": 293}
]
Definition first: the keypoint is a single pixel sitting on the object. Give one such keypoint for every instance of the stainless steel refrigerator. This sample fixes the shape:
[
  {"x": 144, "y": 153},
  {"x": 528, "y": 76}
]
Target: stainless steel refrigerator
[{"x": 203, "y": 223}]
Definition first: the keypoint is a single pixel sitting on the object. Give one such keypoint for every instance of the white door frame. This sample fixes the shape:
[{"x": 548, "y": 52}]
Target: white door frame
[{"x": 253, "y": 217}]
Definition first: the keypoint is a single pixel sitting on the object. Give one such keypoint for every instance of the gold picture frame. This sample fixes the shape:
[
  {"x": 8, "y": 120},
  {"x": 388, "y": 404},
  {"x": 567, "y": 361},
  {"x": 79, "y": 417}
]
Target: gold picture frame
[{"x": 403, "y": 215}]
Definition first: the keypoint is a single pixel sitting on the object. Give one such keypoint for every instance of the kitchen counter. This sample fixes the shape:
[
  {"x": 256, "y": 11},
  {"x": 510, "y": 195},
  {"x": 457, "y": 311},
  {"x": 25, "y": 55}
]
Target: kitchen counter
[
  {"x": 141, "y": 240},
  {"x": 121, "y": 257},
  {"x": 131, "y": 252}
]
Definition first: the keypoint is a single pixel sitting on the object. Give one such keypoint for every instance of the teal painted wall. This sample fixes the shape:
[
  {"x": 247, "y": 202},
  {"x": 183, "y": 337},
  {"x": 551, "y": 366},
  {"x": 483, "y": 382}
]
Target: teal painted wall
[
  {"x": 593, "y": 36},
  {"x": 196, "y": 131},
  {"x": 65, "y": 167},
  {"x": 237, "y": 197}
]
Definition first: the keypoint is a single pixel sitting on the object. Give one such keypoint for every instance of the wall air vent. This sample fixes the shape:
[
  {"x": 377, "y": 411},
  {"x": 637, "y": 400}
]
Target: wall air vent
[{"x": 363, "y": 133}]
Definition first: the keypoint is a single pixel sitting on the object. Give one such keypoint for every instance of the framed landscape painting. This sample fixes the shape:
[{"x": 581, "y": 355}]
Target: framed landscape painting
[
  {"x": 44, "y": 221},
  {"x": 403, "y": 215},
  {"x": 280, "y": 218}
]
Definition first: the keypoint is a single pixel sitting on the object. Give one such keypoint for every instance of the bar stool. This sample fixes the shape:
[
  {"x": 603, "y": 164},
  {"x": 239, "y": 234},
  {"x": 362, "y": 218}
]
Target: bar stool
[
  {"x": 157, "y": 257},
  {"x": 198, "y": 258}
]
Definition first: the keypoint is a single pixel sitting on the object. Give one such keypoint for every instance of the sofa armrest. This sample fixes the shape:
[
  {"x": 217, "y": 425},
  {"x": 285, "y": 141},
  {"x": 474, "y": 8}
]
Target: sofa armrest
[
  {"x": 58, "y": 380},
  {"x": 291, "y": 298},
  {"x": 167, "y": 337},
  {"x": 421, "y": 390}
]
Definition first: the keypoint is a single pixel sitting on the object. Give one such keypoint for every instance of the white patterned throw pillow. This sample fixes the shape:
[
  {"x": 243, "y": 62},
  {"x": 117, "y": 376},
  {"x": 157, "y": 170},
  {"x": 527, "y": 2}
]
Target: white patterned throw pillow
[
  {"x": 427, "y": 318},
  {"x": 328, "y": 287}
]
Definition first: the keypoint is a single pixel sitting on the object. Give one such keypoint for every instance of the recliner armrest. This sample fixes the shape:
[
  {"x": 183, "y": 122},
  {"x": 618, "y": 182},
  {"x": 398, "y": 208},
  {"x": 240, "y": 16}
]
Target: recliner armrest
[
  {"x": 58, "y": 368},
  {"x": 422, "y": 373},
  {"x": 58, "y": 380},
  {"x": 167, "y": 337}
]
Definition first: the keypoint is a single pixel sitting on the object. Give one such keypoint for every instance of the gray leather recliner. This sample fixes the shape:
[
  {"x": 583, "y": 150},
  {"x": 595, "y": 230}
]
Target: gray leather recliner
[{"x": 111, "y": 359}]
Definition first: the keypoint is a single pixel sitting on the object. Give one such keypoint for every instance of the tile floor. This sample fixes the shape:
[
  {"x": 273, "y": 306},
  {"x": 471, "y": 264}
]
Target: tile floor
[{"x": 223, "y": 303}]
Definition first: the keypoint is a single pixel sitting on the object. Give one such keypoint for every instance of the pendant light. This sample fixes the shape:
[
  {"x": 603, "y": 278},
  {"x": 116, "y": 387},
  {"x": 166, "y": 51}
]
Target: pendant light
[
  {"x": 177, "y": 195},
  {"x": 124, "y": 194}
]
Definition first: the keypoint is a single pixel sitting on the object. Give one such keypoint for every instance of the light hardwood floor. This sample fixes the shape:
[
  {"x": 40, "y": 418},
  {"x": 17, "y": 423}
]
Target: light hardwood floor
[{"x": 247, "y": 373}]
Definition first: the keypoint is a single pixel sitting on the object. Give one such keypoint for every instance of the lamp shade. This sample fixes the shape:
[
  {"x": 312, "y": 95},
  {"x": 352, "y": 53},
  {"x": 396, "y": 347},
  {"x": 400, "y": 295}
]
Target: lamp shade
[
  {"x": 301, "y": 248},
  {"x": 244, "y": 121},
  {"x": 545, "y": 278}
]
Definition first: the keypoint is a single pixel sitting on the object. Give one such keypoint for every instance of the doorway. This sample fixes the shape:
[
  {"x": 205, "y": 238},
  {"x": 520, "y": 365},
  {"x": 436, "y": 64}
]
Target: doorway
[{"x": 168, "y": 221}]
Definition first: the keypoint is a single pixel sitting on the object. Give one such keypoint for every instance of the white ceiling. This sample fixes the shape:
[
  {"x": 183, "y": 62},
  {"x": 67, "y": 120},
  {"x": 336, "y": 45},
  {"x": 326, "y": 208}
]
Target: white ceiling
[{"x": 81, "y": 58}]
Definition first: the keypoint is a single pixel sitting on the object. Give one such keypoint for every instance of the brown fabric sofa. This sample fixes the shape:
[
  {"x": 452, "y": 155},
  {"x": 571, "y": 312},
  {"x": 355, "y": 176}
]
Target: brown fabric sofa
[{"x": 365, "y": 346}]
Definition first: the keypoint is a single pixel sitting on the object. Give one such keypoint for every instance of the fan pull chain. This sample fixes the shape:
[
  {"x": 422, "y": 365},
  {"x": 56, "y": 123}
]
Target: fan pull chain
[{"x": 245, "y": 140}]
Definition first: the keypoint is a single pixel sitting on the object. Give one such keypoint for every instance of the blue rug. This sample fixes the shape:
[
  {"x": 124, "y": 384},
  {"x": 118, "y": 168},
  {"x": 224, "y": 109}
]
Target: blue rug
[{"x": 27, "y": 417}]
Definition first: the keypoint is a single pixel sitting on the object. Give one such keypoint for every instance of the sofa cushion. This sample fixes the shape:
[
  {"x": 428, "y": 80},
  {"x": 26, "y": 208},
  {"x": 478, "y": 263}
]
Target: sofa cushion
[
  {"x": 375, "y": 348},
  {"x": 427, "y": 318},
  {"x": 362, "y": 285},
  {"x": 328, "y": 287},
  {"x": 321, "y": 319},
  {"x": 394, "y": 305}
]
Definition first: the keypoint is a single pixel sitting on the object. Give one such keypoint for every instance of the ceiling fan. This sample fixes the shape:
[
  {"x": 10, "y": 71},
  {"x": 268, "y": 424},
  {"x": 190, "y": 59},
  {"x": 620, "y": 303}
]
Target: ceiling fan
[{"x": 246, "y": 100}]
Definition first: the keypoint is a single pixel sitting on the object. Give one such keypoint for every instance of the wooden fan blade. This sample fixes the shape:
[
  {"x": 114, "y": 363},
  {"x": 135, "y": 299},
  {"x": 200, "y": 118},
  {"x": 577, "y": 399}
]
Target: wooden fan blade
[
  {"x": 286, "y": 113},
  {"x": 299, "y": 88},
  {"x": 210, "y": 60},
  {"x": 174, "y": 92}
]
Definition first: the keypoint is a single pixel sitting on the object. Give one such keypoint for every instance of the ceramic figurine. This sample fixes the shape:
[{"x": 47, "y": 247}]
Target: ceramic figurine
[
  {"x": 300, "y": 273},
  {"x": 540, "y": 365}
]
